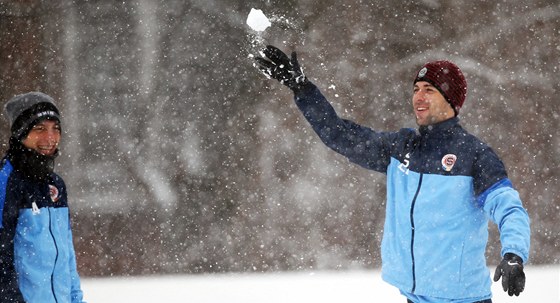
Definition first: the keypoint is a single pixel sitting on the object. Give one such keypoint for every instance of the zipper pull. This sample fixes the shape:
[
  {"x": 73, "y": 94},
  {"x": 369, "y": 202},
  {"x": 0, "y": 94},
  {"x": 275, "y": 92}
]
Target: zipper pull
[{"x": 35, "y": 209}]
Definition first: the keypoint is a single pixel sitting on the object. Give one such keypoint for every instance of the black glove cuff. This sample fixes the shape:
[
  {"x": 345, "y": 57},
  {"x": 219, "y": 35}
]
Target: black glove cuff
[
  {"x": 302, "y": 87},
  {"x": 513, "y": 258}
]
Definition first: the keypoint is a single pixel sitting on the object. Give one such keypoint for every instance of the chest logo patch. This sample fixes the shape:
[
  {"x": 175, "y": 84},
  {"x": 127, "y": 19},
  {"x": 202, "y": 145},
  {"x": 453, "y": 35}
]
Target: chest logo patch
[
  {"x": 448, "y": 161},
  {"x": 53, "y": 191}
]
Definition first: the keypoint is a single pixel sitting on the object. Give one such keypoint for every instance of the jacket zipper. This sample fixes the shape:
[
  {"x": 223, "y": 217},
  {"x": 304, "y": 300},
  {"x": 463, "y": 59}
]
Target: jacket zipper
[
  {"x": 412, "y": 236},
  {"x": 56, "y": 257}
]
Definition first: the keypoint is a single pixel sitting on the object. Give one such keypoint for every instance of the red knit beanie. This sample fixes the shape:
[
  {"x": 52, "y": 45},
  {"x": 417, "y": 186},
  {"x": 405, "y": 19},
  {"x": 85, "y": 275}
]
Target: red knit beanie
[{"x": 448, "y": 79}]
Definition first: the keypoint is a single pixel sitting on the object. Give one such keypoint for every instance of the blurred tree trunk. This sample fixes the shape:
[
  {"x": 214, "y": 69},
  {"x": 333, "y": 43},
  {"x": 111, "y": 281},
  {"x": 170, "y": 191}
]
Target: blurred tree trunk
[
  {"x": 20, "y": 69},
  {"x": 26, "y": 50}
]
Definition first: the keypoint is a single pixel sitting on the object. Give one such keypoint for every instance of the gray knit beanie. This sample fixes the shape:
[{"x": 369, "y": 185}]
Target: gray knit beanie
[{"x": 26, "y": 110}]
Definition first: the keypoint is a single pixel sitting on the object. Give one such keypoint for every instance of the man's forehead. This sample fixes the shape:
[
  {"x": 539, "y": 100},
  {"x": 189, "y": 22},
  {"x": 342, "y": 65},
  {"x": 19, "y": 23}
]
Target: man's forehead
[
  {"x": 423, "y": 84},
  {"x": 47, "y": 121}
]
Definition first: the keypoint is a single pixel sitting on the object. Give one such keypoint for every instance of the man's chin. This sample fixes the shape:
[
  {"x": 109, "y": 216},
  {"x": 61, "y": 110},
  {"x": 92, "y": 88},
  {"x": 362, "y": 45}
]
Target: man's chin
[
  {"x": 421, "y": 122},
  {"x": 46, "y": 152}
]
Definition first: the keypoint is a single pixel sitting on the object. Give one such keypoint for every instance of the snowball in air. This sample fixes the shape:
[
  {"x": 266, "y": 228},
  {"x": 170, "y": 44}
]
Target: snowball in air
[{"x": 257, "y": 20}]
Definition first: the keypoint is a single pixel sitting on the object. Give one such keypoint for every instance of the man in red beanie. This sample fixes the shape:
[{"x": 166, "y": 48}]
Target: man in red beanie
[{"x": 443, "y": 185}]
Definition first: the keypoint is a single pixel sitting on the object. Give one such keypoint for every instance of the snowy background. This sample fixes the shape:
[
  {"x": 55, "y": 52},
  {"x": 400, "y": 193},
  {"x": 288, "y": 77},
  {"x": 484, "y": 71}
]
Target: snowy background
[{"x": 182, "y": 159}]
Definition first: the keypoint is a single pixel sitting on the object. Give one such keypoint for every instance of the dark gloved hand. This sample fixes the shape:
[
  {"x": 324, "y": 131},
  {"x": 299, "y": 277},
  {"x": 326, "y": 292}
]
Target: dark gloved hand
[
  {"x": 275, "y": 64},
  {"x": 511, "y": 271}
]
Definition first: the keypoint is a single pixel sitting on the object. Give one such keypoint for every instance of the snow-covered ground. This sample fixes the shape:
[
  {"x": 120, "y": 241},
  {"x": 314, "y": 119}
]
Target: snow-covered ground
[{"x": 543, "y": 285}]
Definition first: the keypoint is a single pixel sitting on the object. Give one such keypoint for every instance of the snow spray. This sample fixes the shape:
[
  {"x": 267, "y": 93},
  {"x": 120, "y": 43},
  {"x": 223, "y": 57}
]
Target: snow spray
[{"x": 261, "y": 27}]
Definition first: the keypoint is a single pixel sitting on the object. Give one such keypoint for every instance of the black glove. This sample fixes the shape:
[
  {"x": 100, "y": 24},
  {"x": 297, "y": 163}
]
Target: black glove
[
  {"x": 511, "y": 271},
  {"x": 275, "y": 64}
]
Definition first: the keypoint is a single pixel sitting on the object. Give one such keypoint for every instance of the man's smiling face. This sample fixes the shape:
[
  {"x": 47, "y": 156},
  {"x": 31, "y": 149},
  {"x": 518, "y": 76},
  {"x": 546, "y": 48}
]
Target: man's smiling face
[
  {"x": 430, "y": 106},
  {"x": 43, "y": 137}
]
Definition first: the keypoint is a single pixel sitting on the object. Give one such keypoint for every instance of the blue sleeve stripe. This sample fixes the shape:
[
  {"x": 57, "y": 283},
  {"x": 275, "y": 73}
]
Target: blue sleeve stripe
[
  {"x": 482, "y": 197},
  {"x": 4, "y": 175}
]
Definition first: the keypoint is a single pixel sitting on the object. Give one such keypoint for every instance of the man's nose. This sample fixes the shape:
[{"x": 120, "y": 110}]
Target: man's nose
[
  {"x": 52, "y": 134},
  {"x": 420, "y": 96}
]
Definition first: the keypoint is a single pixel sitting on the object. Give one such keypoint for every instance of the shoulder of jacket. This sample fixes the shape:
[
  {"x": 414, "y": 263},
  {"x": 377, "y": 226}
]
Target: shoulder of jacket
[
  {"x": 473, "y": 141},
  {"x": 408, "y": 132},
  {"x": 407, "y": 135},
  {"x": 6, "y": 170},
  {"x": 57, "y": 179}
]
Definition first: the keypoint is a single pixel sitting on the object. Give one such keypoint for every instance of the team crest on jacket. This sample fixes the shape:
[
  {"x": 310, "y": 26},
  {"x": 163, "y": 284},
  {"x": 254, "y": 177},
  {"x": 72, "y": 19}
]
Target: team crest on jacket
[
  {"x": 448, "y": 161},
  {"x": 53, "y": 191}
]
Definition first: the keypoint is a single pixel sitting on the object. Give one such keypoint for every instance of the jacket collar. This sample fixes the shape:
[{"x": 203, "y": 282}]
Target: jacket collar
[
  {"x": 29, "y": 162},
  {"x": 440, "y": 128}
]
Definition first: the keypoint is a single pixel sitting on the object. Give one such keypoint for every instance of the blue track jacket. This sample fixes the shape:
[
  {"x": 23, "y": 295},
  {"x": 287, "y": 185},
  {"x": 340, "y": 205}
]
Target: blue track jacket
[
  {"x": 443, "y": 185},
  {"x": 37, "y": 259}
]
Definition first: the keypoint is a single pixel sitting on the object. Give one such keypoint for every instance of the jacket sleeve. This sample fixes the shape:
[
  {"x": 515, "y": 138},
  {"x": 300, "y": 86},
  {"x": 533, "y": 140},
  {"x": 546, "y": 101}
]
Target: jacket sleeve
[
  {"x": 505, "y": 208},
  {"x": 9, "y": 288},
  {"x": 501, "y": 203},
  {"x": 359, "y": 144}
]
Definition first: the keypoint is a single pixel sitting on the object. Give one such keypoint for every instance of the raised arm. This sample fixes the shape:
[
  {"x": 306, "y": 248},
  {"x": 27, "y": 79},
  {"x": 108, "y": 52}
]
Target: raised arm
[{"x": 359, "y": 144}]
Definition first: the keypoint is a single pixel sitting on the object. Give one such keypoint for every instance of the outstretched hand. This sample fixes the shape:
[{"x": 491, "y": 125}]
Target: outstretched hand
[
  {"x": 511, "y": 271},
  {"x": 275, "y": 64}
]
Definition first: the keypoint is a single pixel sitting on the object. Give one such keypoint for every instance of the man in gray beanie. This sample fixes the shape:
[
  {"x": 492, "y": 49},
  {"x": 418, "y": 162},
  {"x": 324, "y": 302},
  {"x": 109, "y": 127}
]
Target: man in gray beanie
[
  {"x": 23, "y": 110},
  {"x": 38, "y": 262}
]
